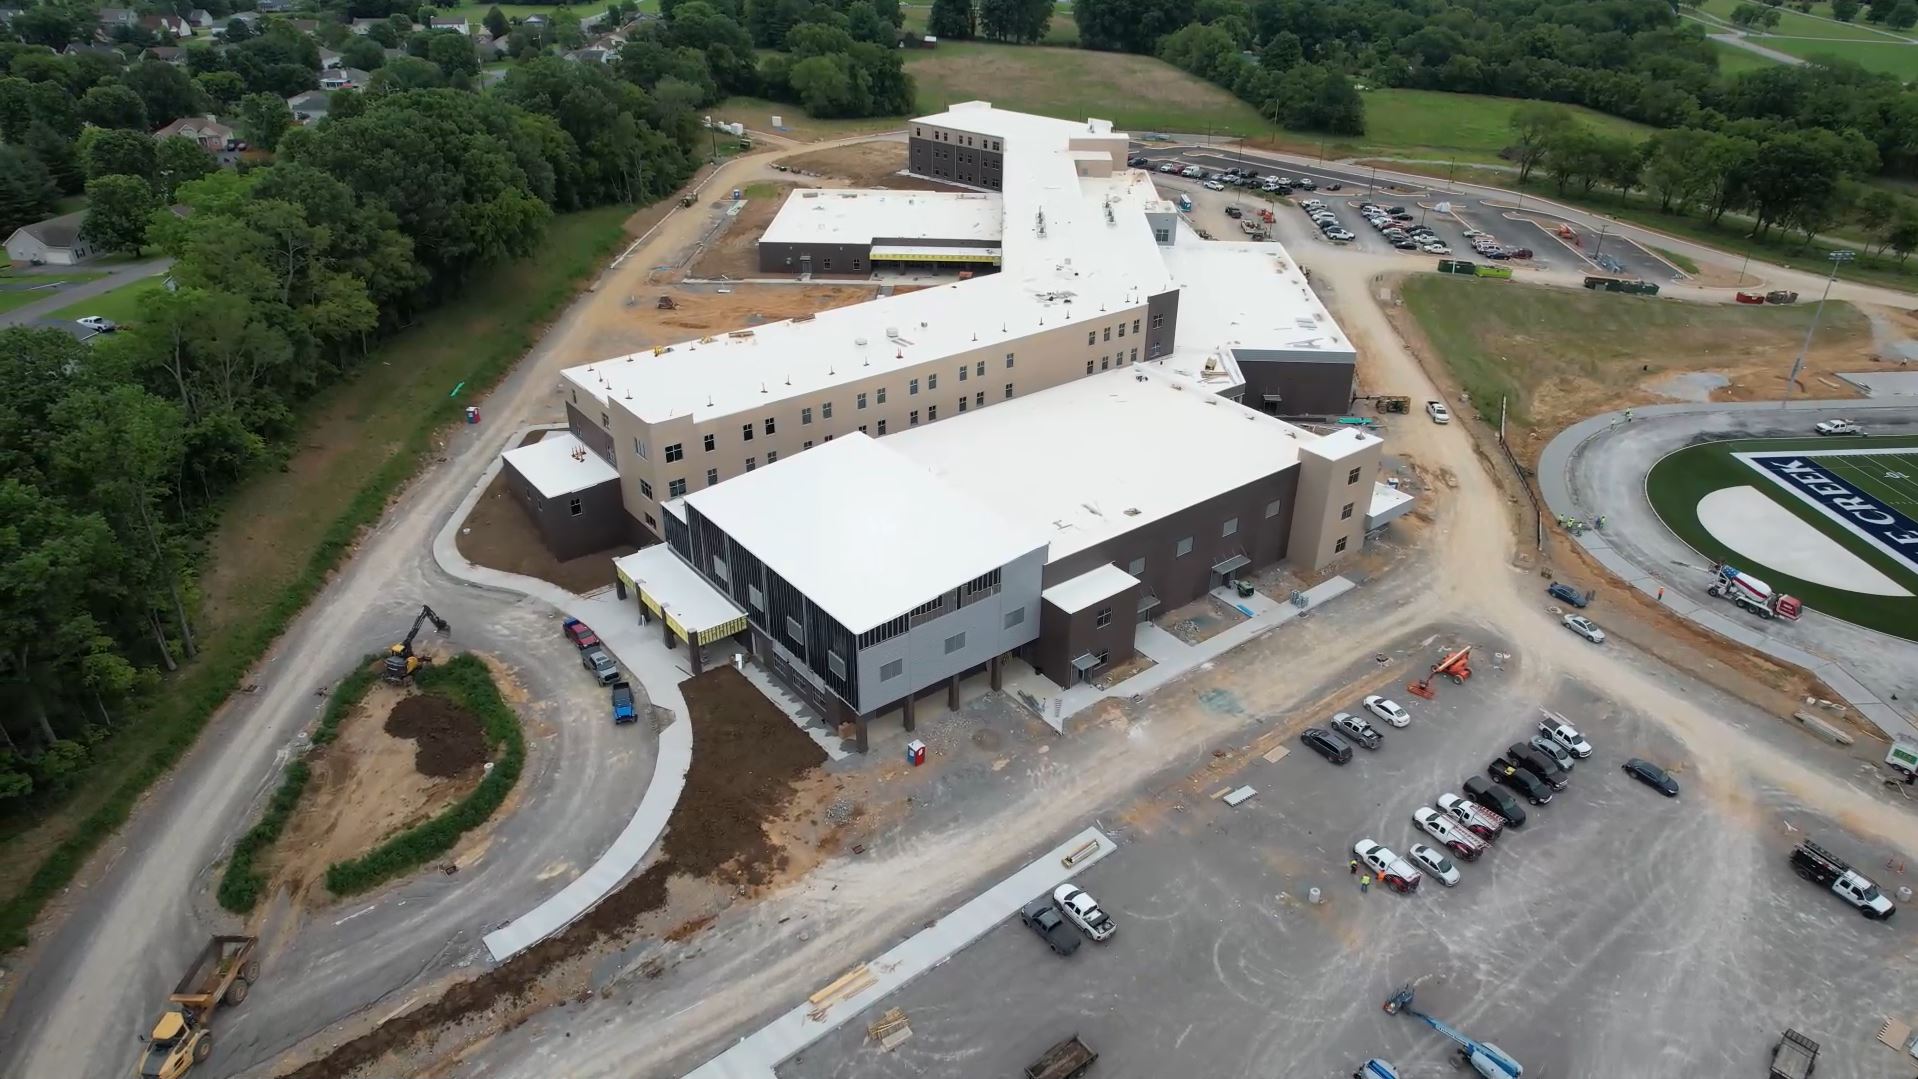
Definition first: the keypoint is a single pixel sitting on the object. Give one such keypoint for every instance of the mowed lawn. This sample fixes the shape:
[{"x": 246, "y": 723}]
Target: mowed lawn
[
  {"x": 23, "y": 289},
  {"x": 124, "y": 305},
  {"x": 1677, "y": 482},
  {"x": 1138, "y": 93},
  {"x": 1556, "y": 354},
  {"x": 1432, "y": 124},
  {"x": 1793, "y": 24},
  {"x": 1733, "y": 60},
  {"x": 1883, "y": 56}
]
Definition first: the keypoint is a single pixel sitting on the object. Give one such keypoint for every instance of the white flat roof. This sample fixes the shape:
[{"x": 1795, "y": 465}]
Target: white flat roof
[
  {"x": 1104, "y": 454},
  {"x": 1247, "y": 295},
  {"x": 681, "y": 593},
  {"x": 560, "y": 464},
  {"x": 862, "y": 531},
  {"x": 1343, "y": 443},
  {"x": 1089, "y": 588},
  {"x": 857, "y": 216},
  {"x": 1387, "y": 503}
]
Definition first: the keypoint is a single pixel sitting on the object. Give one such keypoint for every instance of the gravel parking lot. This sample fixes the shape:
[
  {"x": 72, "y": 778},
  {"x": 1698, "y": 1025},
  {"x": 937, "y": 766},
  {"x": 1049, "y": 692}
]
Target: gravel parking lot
[{"x": 1619, "y": 933}]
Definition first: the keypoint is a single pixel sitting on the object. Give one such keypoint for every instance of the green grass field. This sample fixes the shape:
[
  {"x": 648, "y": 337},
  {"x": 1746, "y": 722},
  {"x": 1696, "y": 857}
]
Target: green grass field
[
  {"x": 123, "y": 305},
  {"x": 1890, "y": 473},
  {"x": 16, "y": 296},
  {"x": 1061, "y": 31},
  {"x": 473, "y": 13},
  {"x": 1733, "y": 60},
  {"x": 1429, "y": 123},
  {"x": 1793, "y": 24},
  {"x": 1882, "y": 56}
]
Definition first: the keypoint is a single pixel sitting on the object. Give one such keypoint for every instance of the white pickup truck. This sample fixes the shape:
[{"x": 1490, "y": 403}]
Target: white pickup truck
[
  {"x": 1438, "y": 412},
  {"x": 1839, "y": 427}
]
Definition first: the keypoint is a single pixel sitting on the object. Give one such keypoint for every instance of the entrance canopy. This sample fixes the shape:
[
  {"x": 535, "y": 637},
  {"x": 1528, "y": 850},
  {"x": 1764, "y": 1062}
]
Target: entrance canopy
[
  {"x": 669, "y": 588},
  {"x": 1232, "y": 565}
]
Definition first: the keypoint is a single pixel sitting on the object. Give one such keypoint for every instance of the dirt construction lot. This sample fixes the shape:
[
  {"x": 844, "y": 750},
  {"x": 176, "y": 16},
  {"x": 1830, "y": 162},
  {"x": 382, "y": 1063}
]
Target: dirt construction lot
[{"x": 1617, "y": 933}]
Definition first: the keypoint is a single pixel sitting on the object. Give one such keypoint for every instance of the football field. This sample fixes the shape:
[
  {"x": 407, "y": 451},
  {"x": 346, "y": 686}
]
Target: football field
[{"x": 1832, "y": 521}]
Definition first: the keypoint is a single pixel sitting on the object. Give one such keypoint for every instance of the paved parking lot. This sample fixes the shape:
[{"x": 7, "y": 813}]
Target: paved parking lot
[{"x": 1618, "y": 934}]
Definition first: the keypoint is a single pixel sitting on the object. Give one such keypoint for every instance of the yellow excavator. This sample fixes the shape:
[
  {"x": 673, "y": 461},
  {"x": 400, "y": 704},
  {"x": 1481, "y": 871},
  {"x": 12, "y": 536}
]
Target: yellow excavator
[
  {"x": 401, "y": 661},
  {"x": 182, "y": 1037}
]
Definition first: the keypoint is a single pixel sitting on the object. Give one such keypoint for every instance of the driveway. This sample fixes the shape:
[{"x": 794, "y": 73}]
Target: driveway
[{"x": 67, "y": 295}]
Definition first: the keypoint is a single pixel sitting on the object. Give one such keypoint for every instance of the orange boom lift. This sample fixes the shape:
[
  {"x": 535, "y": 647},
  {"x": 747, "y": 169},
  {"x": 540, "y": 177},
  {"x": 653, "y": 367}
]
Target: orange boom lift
[{"x": 1457, "y": 667}]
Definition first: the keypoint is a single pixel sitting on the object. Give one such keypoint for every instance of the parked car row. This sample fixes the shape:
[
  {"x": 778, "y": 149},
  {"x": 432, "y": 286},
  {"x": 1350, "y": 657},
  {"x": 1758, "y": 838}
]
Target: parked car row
[
  {"x": 599, "y": 663},
  {"x": 1464, "y": 828},
  {"x": 1488, "y": 246},
  {"x": 1055, "y": 919},
  {"x": 1335, "y": 744},
  {"x": 1393, "y": 223},
  {"x": 1326, "y": 220},
  {"x": 1233, "y": 177}
]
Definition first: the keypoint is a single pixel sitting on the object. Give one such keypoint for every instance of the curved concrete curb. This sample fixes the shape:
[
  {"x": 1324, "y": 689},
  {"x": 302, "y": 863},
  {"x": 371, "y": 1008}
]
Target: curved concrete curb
[
  {"x": 1555, "y": 467},
  {"x": 646, "y": 661}
]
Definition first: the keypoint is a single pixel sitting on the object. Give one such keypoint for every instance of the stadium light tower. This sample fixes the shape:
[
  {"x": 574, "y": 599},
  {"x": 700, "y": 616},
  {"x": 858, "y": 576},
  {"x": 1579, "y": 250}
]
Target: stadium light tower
[{"x": 1838, "y": 258}]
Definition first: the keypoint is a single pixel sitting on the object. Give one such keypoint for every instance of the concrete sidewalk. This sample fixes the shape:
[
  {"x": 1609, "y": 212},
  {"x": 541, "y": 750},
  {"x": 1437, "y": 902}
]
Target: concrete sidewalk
[
  {"x": 756, "y": 1055},
  {"x": 647, "y": 661}
]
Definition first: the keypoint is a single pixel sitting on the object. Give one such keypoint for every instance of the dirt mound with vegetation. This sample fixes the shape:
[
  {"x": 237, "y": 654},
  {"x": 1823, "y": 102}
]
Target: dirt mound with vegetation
[
  {"x": 449, "y": 739},
  {"x": 748, "y": 760}
]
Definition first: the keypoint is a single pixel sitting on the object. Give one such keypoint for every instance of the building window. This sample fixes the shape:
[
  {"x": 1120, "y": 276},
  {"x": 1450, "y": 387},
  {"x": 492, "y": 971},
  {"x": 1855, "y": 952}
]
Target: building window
[
  {"x": 932, "y": 413},
  {"x": 805, "y": 416},
  {"x": 755, "y": 598},
  {"x": 962, "y": 404},
  {"x": 575, "y": 507},
  {"x": 912, "y": 387},
  {"x": 1339, "y": 546},
  {"x": 825, "y": 264},
  {"x": 932, "y": 382},
  {"x": 719, "y": 569},
  {"x": 745, "y": 432},
  {"x": 1015, "y": 617},
  {"x": 1352, "y": 476},
  {"x": 1103, "y": 618},
  {"x": 1158, "y": 321},
  {"x": 857, "y": 265},
  {"x": 794, "y": 630},
  {"x": 712, "y": 476},
  {"x": 979, "y": 399},
  {"x": 1230, "y": 527},
  {"x": 1185, "y": 547},
  {"x": 1121, "y": 329},
  {"x": 882, "y": 427},
  {"x": 836, "y": 663},
  {"x": 860, "y": 402},
  {"x": 1346, "y": 513},
  {"x": 962, "y": 373},
  {"x": 1135, "y": 325},
  {"x": 978, "y": 369},
  {"x": 912, "y": 419},
  {"x": 955, "y": 642},
  {"x": 1108, "y": 334},
  {"x": 890, "y": 671},
  {"x": 1105, "y": 363},
  {"x": 1102, "y": 655},
  {"x": 1009, "y": 357},
  {"x": 1271, "y": 509},
  {"x": 1135, "y": 355},
  {"x": 752, "y": 463},
  {"x": 605, "y": 420},
  {"x": 808, "y": 443},
  {"x": 825, "y": 410},
  {"x": 645, "y": 489},
  {"x": 639, "y": 449},
  {"x": 879, "y": 395},
  {"x": 1008, "y": 391},
  {"x": 1092, "y": 337},
  {"x": 675, "y": 488},
  {"x": 771, "y": 456},
  {"x": 1162, "y": 235},
  {"x": 709, "y": 443},
  {"x": 1136, "y": 566},
  {"x": 769, "y": 425},
  {"x": 650, "y": 523},
  {"x": 1088, "y": 367},
  {"x": 674, "y": 452}
]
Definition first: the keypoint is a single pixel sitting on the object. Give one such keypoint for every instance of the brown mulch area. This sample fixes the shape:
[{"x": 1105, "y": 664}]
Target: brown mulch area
[
  {"x": 747, "y": 760},
  {"x": 500, "y": 534},
  {"x": 448, "y": 738}
]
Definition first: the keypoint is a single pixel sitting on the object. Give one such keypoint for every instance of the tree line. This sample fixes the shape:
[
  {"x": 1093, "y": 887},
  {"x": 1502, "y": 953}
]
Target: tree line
[{"x": 117, "y": 453}]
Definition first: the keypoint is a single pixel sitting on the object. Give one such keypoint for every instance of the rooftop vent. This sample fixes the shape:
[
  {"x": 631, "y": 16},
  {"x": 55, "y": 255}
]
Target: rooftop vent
[{"x": 1132, "y": 511}]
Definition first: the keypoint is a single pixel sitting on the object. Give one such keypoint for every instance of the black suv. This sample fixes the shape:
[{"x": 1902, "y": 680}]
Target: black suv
[
  {"x": 1486, "y": 794},
  {"x": 1532, "y": 788},
  {"x": 1044, "y": 919},
  {"x": 1327, "y": 745},
  {"x": 1538, "y": 764}
]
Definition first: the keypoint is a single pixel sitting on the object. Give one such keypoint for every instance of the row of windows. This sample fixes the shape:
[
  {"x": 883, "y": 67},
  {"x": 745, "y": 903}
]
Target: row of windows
[
  {"x": 981, "y": 142},
  {"x": 1093, "y": 338},
  {"x": 1105, "y": 362},
  {"x": 955, "y": 643}
]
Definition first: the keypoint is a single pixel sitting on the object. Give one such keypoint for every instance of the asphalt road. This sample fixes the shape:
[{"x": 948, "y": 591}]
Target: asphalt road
[
  {"x": 35, "y": 313},
  {"x": 1617, "y": 933},
  {"x": 1463, "y": 207}
]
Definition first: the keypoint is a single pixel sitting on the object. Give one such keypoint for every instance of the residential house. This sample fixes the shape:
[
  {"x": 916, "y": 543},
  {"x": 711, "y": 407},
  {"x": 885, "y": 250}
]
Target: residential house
[
  {"x": 456, "y": 25},
  {"x": 343, "y": 78},
  {"x": 329, "y": 59},
  {"x": 76, "y": 48},
  {"x": 592, "y": 56},
  {"x": 201, "y": 18},
  {"x": 268, "y": 7},
  {"x": 250, "y": 18},
  {"x": 53, "y": 242},
  {"x": 363, "y": 26},
  {"x": 177, "y": 25},
  {"x": 212, "y": 135},
  {"x": 309, "y": 107},
  {"x": 168, "y": 54},
  {"x": 111, "y": 17},
  {"x": 305, "y": 26},
  {"x": 535, "y": 20}
]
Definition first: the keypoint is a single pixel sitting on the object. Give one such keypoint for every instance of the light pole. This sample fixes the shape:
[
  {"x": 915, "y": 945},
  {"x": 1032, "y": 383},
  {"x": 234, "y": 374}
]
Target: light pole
[
  {"x": 1375, "y": 180},
  {"x": 1838, "y": 258},
  {"x": 1599, "y": 249},
  {"x": 1743, "y": 266}
]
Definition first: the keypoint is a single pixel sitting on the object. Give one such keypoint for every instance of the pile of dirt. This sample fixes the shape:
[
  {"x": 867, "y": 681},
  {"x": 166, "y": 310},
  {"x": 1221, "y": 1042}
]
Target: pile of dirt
[
  {"x": 748, "y": 760},
  {"x": 449, "y": 739}
]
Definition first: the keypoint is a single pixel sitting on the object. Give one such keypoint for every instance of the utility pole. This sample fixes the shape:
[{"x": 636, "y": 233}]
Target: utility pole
[
  {"x": 1742, "y": 267},
  {"x": 1600, "y": 248},
  {"x": 1838, "y": 258}
]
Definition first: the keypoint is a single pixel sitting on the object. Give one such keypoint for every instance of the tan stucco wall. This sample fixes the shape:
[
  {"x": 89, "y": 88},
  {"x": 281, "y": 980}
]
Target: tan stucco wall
[{"x": 1326, "y": 488}]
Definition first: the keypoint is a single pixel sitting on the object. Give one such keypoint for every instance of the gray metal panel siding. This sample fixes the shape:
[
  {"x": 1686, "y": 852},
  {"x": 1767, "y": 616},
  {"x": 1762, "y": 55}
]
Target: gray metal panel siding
[
  {"x": 1307, "y": 385},
  {"x": 791, "y": 258},
  {"x": 923, "y": 647},
  {"x": 588, "y": 430},
  {"x": 1161, "y": 332}
]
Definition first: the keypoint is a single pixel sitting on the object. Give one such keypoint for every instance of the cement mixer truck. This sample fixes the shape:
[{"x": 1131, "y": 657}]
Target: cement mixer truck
[{"x": 1753, "y": 594}]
